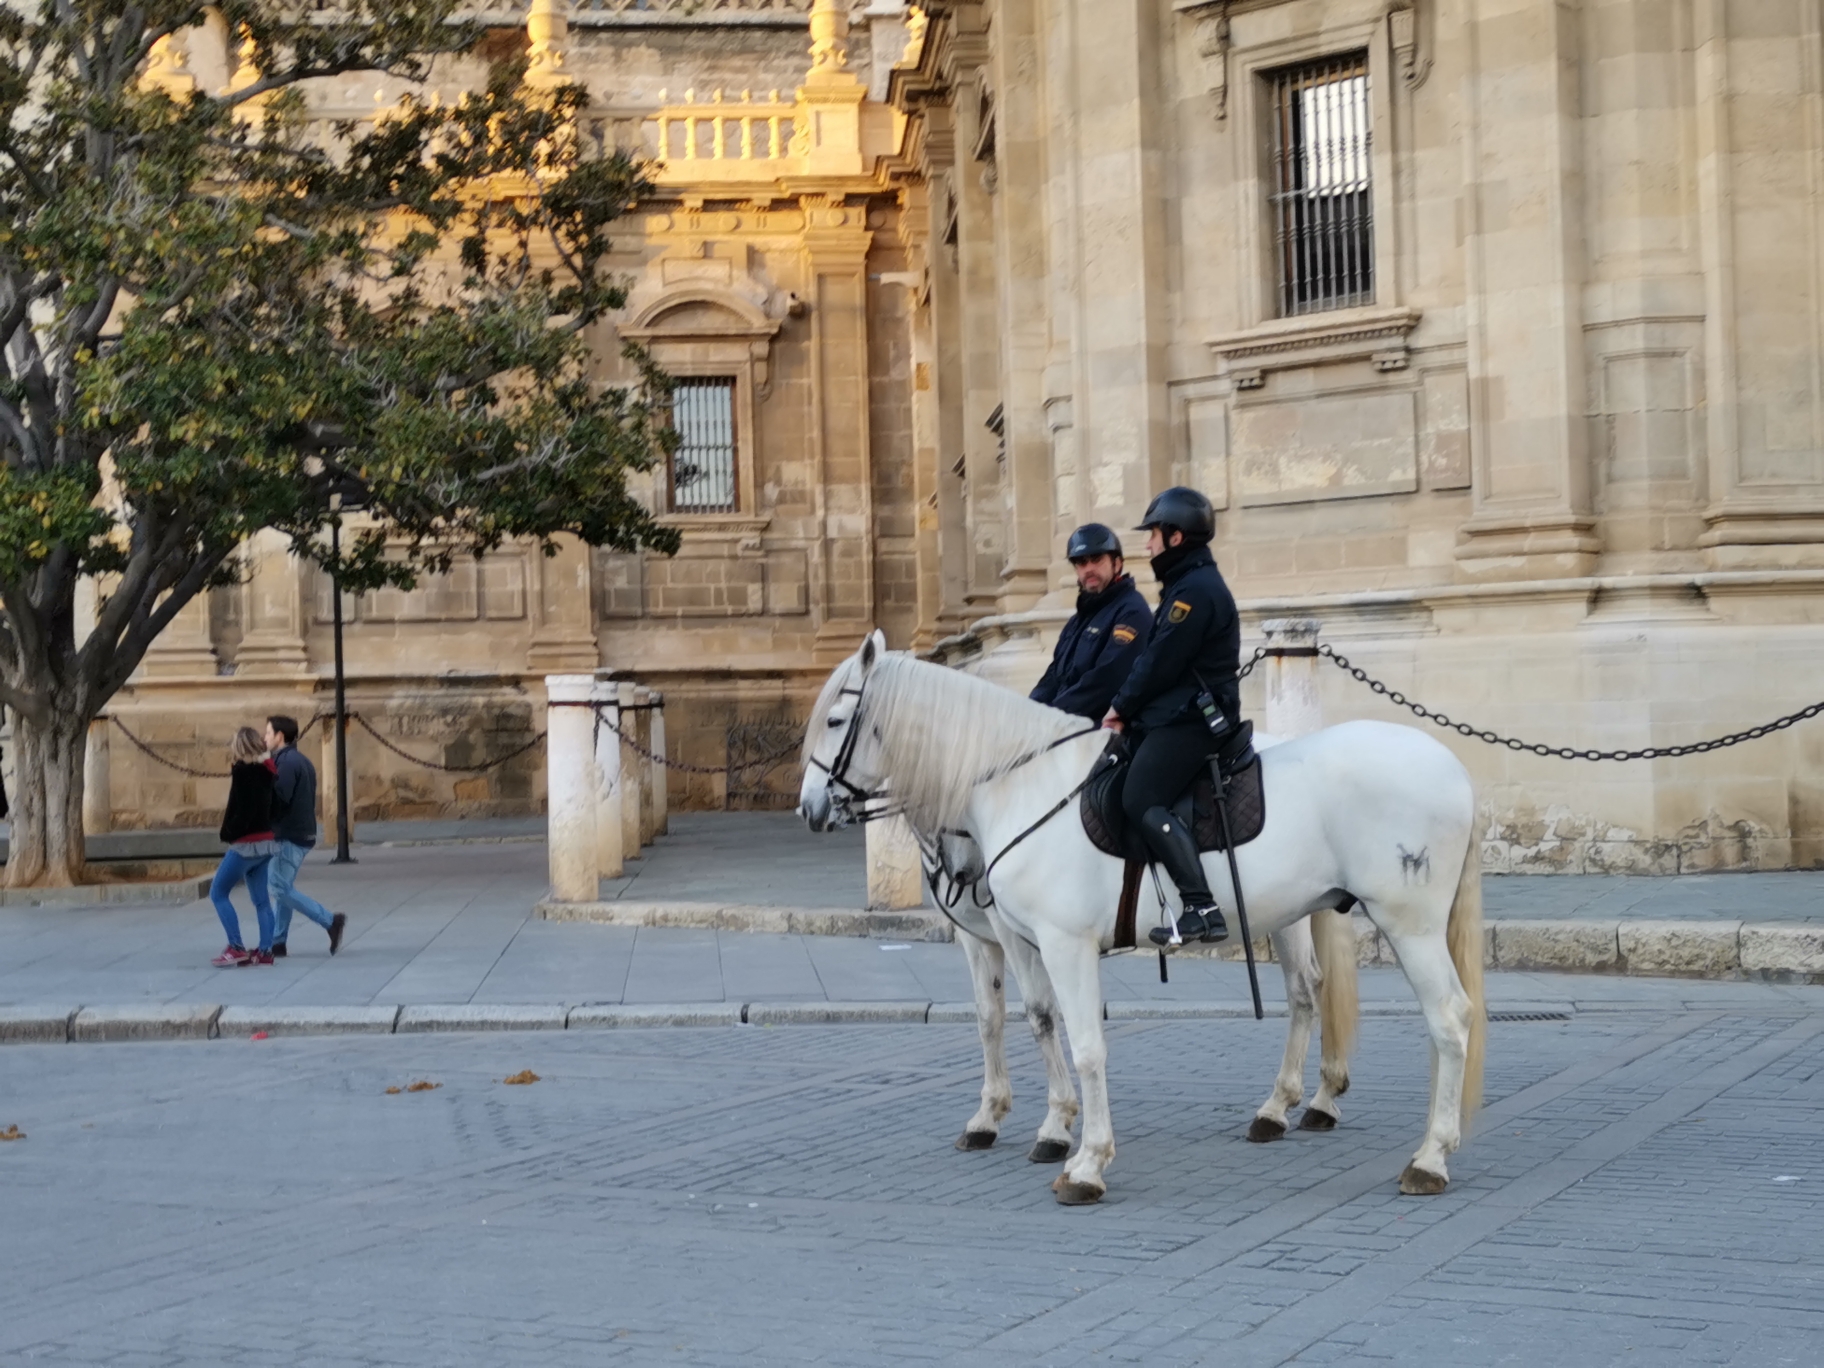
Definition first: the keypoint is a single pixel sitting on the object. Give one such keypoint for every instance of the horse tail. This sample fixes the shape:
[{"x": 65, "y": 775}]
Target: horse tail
[
  {"x": 1338, "y": 1004},
  {"x": 1464, "y": 936}
]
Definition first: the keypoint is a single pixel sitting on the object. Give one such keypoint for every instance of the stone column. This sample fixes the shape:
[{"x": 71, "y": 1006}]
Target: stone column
[
  {"x": 895, "y": 875},
  {"x": 1293, "y": 707},
  {"x": 661, "y": 776},
  {"x": 642, "y": 698},
  {"x": 631, "y": 772},
  {"x": 273, "y": 604},
  {"x": 1524, "y": 258},
  {"x": 563, "y": 630},
  {"x": 608, "y": 854},
  {"x": 97, "y": 782},
  {"x": 570, "y": 789}
]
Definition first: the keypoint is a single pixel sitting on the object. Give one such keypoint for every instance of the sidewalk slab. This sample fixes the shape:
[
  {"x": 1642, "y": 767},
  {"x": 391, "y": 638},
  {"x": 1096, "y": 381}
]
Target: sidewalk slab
[
  {"x": 610, "y": 1016},
  {"x": 912, "y": 925},
  {"x": 834, "y": 1013},
  {"x": 35, "y": 1025},
  {"x": 146, "y": 1021},
  {"x": 292, "y": 1021},
  {"x": 472, "y": 1016}
]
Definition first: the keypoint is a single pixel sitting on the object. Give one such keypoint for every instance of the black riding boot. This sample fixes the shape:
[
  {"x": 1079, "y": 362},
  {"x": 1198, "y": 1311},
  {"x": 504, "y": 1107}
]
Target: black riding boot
[{"x": 1174, "y": 846}]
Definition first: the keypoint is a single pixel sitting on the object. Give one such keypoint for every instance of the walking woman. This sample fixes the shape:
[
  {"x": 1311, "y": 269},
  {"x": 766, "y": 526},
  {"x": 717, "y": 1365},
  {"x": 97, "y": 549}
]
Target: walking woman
[{"x": 247, "y": 827}]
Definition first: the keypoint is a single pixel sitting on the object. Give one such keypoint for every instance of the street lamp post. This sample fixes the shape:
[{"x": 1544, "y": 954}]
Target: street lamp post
[{"x": 335, "y": 581}]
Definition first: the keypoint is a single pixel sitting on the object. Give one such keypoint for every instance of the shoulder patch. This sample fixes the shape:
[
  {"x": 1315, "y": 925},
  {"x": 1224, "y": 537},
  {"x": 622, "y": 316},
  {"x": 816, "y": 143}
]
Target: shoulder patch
[
  {"x": 1124, "y": 634},
  {"x": 1180, "y": 611}
]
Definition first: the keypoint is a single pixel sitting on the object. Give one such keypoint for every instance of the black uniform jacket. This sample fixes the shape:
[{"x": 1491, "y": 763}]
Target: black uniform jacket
[
  {"x": 1096, "y": 649},
  {"x": 1195, "y": 632}
]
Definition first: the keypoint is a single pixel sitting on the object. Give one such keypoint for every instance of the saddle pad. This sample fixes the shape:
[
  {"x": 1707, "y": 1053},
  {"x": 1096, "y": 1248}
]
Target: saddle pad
[{"x": 1106, "y": 827}]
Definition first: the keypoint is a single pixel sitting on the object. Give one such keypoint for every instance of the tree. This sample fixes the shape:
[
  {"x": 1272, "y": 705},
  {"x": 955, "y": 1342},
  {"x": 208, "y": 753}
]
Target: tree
[{"x": 213, "y": 317}]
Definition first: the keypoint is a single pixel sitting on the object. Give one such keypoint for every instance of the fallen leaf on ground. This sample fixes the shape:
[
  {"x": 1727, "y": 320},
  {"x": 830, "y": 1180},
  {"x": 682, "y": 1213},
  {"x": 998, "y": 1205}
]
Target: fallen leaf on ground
[
  {"x": 422, "y": 1085},
  {"x": 523, "y": 1076},
  {"x": 259, "y": 1035},
  {"x": 390, "y": 1092},
  {"x": 12, "y": 1133}
]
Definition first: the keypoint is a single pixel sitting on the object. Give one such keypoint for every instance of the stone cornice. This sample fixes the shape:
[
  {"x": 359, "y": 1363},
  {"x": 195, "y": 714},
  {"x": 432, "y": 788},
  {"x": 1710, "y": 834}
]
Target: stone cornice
[{"x": 1313, "y": 339}]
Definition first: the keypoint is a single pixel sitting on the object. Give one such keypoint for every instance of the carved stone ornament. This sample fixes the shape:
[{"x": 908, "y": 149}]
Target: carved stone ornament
[
  {"x": 1213, "y": 46},
  {"x": 1407, "y": 38}
]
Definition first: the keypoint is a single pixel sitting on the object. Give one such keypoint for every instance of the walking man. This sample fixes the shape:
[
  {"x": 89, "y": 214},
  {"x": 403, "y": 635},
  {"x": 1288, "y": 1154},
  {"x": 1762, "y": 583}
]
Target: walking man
[
  {"x": 294, "y": 823},
  {"x": 1099, "y": 644}
]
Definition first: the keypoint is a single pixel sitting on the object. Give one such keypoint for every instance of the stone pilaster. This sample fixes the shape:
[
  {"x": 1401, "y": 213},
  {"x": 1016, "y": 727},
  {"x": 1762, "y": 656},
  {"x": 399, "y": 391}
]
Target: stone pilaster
[
  {"x": 185, "y": 647},
  {"x": 563, "y": 634},
  {"x": 272, "y": 598},
  {"x": 1524, "y": 254}
]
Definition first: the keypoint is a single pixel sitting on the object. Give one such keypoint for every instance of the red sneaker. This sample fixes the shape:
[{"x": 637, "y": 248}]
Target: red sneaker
[
  {"x": 232, "y": 958},
  {"x": 260, "y": 957}
]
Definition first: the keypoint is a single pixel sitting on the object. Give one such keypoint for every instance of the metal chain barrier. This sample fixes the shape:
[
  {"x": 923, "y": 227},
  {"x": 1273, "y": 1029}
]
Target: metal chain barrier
[
  {"x": 683, "y": 767},
  {"x": 495, "y": 763},
  {"x": 1567, "y": 752},
  {"x": 127, "y": 732},
  {"x": 1260, "y": 654}
]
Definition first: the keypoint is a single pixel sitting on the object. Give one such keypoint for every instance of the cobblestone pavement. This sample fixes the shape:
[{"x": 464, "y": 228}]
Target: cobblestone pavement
[{"x": 1645, "y": 1187}]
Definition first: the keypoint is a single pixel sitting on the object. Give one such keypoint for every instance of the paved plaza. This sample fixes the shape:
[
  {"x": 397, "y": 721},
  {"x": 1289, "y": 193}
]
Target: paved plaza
[{"x": 1644, "y": 1188}]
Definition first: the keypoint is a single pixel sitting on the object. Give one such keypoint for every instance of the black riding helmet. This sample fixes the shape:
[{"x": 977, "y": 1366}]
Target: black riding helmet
[
  {"x": 1091, "y": 540},
  {"x": 1184, "y": 509}
]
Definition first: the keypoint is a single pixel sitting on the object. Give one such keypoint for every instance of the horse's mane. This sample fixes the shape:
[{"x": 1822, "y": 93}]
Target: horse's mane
[{"x": 942, "y": 732}]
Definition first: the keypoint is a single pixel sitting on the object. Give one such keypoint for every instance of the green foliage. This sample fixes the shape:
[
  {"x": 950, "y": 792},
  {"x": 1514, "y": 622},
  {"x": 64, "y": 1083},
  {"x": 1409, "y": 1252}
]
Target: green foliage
[{"x": 219, "y": 315}]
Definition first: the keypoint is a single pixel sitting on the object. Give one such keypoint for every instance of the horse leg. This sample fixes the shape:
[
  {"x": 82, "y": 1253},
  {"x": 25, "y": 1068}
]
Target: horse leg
[
  {"x": 987, "y": 968},
  {"x": 1447, "y": 1008},
  {"x": 1298, "y": 961},
  {"x": 1075, "y": 969},
  {"x": 1339, "y": 1007},
  {"x": 1053, "y": 1142}
]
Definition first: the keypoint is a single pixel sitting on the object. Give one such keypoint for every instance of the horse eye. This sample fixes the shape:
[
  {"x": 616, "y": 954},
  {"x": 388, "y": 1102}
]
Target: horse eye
[{"x": 836, "y": 722}]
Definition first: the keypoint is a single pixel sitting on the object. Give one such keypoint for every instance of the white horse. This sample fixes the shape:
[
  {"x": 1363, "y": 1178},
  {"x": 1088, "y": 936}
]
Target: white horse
[
  {"x": 1316, "y": 955},
  {"x": 1363, "y": 811}
]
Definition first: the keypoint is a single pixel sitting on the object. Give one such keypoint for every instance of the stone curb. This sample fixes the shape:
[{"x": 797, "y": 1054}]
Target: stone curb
[
  {"x": 833, "y": 1013},
  {"x": 294, "y": 1021},
  {"x": 147, "y": 1021},
  {"x": 610, "y": 1016},
  {"x": 184, "y": 890},
  {"x": 33, "y": 1025},
  {"x": 963, "y": 1013},
  {"x": 471, "y": 1016},
  {"x": 914, "y": 925}
]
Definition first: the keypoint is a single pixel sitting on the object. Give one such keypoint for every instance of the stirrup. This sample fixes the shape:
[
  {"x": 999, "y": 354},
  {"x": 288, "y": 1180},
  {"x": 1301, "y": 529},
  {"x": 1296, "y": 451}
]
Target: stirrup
[{"x": 1196, "y": 923}]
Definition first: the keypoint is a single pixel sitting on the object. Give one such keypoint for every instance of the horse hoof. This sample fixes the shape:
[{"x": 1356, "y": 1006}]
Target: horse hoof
[
  {"x": 1264, "y": 1129},
  {"x": 1050, "y": 1152},
  {"x": 1418, "y": 1182},
  {"x": 1072, "y": 1193},
  {"x": 976, "y": 1140},
  {"x": 1313, "y": 1119}
]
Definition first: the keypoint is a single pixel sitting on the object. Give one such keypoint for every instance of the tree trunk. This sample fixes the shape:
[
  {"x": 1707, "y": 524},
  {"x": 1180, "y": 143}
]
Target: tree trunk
[{"x": 47, "y": 836}]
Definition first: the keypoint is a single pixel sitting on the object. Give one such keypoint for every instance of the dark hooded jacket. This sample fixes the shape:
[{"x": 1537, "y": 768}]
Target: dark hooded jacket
[{"x": 1095, "y": 650}]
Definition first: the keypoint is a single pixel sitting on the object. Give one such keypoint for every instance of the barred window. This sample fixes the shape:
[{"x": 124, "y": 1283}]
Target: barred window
[
  {"x": 1322, "y": 217},
  {"x": 703, "y": 467}
]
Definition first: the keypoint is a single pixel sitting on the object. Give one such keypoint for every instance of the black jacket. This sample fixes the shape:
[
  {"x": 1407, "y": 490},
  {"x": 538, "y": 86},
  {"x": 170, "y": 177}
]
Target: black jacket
[
  {"x": 294, "y": 798},
  {"x": 249, "y": 812},
  {"x": 1095, "y": 650},
  {"x": 1195, "y": 632}
]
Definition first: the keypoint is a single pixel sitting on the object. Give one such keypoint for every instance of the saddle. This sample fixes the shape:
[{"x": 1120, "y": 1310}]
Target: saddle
[{"x": 1107, "y": 828}]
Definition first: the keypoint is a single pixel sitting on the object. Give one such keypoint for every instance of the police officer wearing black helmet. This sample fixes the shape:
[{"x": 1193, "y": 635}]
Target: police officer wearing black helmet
[
  {"x": 1097, "y": 647},
  {"x": 1196, "y": 645}
]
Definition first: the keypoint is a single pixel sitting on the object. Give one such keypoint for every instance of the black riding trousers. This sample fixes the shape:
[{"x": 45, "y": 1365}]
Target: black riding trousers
[{"x": 1165, "y": 762}]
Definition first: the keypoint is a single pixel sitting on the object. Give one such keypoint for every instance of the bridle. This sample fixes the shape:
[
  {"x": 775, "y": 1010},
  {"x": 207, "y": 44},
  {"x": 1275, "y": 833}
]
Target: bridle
[{"x": 869, "y": 801}]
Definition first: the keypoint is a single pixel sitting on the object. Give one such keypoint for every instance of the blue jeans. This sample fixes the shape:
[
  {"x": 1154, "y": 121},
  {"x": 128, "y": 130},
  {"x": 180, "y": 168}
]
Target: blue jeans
[
  {"x": 286, "y": 898},
  {"x": 235, "y": 867}
]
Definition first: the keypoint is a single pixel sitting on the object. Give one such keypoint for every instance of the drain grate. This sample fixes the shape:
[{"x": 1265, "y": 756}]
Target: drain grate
[{"x": 1529, "y": 1016}]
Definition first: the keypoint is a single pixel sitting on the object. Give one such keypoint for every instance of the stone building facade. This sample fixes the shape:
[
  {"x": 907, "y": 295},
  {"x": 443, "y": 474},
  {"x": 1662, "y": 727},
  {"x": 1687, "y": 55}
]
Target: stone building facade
[
  {"x": 1492, "y": 327},
  {"x": 767, "y": 273}
]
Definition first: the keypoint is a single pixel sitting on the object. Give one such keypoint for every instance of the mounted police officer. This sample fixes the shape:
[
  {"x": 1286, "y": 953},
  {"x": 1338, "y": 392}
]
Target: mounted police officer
[
  {"x": 1195, "y": 646},
  {"x": 1099, "y": 644}
]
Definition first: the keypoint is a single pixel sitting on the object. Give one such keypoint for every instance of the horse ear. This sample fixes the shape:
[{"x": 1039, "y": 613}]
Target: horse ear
[{"x": 873, "y": 649}]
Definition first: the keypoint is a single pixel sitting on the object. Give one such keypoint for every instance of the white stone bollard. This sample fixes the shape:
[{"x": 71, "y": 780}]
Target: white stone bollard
[
  {"x": 661, "y": 776},
  {"x": 631, "y": 772},
  {"x": 649, "y": 817},
  {"x": 1293, "y": 706},
  {"x": 97, "y": 780},
  {"x": 570, "y": 788},
  {"x": 895, "y": 875},
  {"x": 608, "y": 855}
]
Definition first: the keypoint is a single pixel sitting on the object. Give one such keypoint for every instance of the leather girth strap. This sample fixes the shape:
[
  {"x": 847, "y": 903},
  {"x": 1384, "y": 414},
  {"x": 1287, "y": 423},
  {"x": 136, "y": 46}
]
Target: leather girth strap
[{"x": 1129, "y": 906}]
